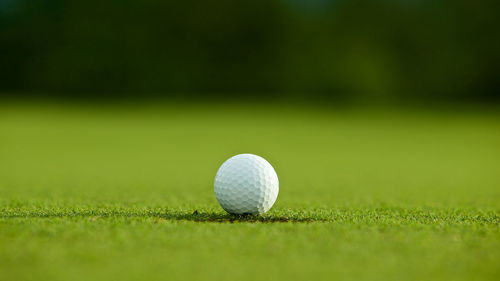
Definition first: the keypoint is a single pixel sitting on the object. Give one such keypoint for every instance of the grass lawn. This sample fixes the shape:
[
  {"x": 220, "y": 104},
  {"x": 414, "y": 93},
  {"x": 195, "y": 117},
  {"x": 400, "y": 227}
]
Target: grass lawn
[{"x": 126, "y": 193}]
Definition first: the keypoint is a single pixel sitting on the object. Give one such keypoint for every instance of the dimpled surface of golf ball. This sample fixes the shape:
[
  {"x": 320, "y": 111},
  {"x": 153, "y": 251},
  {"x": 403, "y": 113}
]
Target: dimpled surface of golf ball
[{"x": 246, "y": 184}]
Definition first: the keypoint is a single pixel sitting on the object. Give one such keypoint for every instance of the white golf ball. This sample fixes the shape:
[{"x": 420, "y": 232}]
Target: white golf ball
[{"x": 246, "y": 184}]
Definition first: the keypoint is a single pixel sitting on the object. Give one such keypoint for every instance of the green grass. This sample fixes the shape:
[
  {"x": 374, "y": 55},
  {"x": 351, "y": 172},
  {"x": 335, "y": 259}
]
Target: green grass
[{"x": 125, "y": 193}]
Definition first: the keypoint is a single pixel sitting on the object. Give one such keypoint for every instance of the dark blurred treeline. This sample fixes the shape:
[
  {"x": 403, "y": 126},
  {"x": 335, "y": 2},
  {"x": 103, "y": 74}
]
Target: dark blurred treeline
[{"x": 321, "y": 50}]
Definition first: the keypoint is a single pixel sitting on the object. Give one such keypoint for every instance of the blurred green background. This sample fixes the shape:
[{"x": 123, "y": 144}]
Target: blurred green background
[{"x": 320, "y": 50}]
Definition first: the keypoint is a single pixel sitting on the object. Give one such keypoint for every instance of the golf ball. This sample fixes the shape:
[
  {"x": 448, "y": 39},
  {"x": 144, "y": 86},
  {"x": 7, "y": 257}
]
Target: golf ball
[{"x": 246, "y": 184}]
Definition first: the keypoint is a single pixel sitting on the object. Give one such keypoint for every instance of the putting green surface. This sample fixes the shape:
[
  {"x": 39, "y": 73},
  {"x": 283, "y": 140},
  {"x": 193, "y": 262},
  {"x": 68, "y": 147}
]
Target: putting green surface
[{"x": 126, "y": 193}]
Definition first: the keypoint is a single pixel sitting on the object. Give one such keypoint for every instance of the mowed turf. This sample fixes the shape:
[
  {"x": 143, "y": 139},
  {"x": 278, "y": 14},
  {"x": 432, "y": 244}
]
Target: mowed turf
[{"x": 126, "y": 193}]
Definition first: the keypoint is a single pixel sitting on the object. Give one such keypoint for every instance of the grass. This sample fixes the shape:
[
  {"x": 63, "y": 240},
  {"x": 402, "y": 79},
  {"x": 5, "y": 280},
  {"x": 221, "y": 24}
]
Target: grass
[{"x": 125, "y": 193}]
